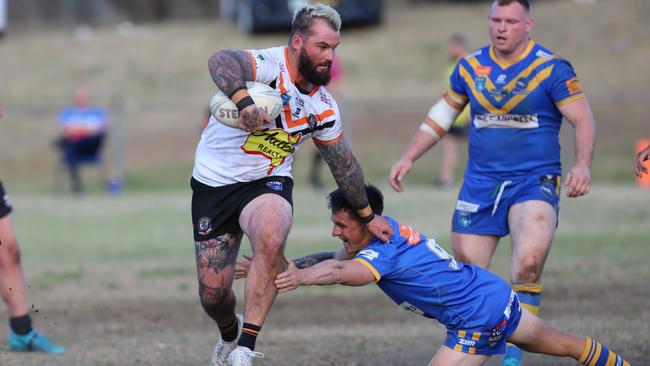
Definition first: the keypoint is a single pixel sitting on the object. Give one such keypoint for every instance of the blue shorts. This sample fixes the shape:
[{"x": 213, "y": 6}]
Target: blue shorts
[
  {"x": 483, "y": 203},
  {"x": 490, "y": 341}
]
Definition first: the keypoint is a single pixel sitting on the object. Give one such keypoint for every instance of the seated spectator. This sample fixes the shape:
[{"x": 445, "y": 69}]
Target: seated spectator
[{"x": 83, "y": 129}]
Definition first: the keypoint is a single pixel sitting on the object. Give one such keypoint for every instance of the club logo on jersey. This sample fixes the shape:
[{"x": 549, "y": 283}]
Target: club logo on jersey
[
  {"x": 274, "y": 144},
  {"x": 369, "y": 254},
  {"x": 479, "y": 83},
  {"x": 274, "y": 185},
  {"x": 204, "y": 225},
  {"x": 312, "y": 122},
  {"x": 412, "y": 236},
  {"x": 522, "y": 83}
]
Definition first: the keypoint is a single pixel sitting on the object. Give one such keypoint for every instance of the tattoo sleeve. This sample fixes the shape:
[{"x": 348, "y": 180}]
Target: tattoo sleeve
[
  {"x": 312, "y": 259},
  {"x": 346, "y": 171},
  {"x": 230, "y": 69}
]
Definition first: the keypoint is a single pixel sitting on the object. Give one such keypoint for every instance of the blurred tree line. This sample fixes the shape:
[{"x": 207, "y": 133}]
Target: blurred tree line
[{"x": 106, "y": 11}]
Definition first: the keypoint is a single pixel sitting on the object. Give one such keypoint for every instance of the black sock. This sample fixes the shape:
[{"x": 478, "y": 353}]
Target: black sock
[
  {"x": 229, "y": 332},
  {"x": 249, "y": 336},
  {"x": 21, "y": 325}
]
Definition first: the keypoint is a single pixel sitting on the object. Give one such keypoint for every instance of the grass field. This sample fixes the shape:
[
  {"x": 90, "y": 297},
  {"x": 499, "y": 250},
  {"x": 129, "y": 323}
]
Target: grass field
[{"x": 113, "y": 279}]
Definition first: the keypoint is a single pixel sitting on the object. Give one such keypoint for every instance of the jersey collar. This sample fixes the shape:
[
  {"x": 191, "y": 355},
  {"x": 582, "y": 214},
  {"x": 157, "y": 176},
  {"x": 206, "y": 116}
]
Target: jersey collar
[{"x": 505, "y": 63}]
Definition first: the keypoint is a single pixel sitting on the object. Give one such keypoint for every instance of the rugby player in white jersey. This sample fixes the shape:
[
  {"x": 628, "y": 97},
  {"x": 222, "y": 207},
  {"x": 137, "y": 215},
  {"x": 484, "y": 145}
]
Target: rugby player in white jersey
[{"x": 242, "y": 180}]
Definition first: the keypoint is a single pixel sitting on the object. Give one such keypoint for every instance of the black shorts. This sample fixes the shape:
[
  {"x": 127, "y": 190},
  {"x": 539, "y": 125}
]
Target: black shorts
[
  {"x": 460, "y": 132},
  {"x": 216, "y": 210},
  {"x": 5, "y": 206}
]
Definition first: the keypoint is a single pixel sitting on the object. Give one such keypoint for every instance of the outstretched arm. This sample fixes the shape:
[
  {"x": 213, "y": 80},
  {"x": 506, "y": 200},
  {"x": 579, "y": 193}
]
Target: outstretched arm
[
  {"x": 434, "y": 127},
  {"x": 578, "y": 179},
  {"x": 230, "y": 69},
  {"x": 349, "y": 273},
  {"x": 349, "y": 177},
  {"x": 420, "y": 143},
  {"x": 242, "y": 266}
]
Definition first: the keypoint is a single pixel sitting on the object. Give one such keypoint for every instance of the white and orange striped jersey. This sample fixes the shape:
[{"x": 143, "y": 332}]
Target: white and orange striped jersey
[{"x": 228, "y": 155}]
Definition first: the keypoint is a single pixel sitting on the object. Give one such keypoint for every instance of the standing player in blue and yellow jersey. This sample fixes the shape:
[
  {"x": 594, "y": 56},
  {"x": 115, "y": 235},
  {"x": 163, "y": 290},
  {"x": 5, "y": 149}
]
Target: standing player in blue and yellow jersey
[
  {"x": 519, "y": 93},
  {"x": 479, "y": 309}
]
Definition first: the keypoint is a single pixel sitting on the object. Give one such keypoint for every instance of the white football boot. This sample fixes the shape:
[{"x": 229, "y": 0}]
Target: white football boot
[
  {"x": 242, "y": 356},
  {"x": 222, "y": 349}
]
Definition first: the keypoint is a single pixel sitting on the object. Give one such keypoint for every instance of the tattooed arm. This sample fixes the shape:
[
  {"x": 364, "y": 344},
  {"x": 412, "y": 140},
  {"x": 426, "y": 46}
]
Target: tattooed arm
[
  {"x": 242, "y": 266},
  {"x": 230, "y": 69},
  {"x": 349, "y": 177}
]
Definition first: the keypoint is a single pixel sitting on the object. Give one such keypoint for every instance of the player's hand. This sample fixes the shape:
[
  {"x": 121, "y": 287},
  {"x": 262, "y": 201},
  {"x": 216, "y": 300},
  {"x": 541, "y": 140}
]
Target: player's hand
[
  {"x": 641, "y": 157},
  {"x": 398, "y": 172},
  {"x": 242, "y": 267},
  {"x": 252, "y": 118},
  {"x": 289, "y": 279},
  {"x": 578, "y": 181},
  {"x": 381, "y": 228}
]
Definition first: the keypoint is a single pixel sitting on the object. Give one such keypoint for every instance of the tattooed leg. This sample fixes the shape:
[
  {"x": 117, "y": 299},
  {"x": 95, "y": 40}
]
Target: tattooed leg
[{"x": 215, "y": 263}]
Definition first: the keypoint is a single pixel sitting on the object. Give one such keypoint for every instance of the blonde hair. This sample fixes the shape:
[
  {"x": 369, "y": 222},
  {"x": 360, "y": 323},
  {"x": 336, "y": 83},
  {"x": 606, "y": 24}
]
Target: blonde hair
[{"x": 303, "y": 18}]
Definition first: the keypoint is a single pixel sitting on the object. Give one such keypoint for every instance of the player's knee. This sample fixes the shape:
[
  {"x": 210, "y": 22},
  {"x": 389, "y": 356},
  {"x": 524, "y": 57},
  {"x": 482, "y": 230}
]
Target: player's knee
[
  {"x": 269, "y": 250},
  {"x": 529, "y": 269},
  {"x": 216, "y": 299},
  {"x": 9, "y": 252}
]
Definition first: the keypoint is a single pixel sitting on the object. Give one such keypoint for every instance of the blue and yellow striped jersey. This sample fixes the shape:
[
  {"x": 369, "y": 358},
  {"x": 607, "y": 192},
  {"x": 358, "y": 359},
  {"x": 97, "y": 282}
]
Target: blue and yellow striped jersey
[
  {"x": 421, "y": 277},
  {"x": 514, "y": 105}
]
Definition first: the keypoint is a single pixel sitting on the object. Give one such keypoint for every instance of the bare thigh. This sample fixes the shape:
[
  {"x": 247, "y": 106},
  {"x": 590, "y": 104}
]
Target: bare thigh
[
  {"x": 266, "y": 221},
  {"x": 474, "y": 249},
  {"x": 448, "y": 357}
]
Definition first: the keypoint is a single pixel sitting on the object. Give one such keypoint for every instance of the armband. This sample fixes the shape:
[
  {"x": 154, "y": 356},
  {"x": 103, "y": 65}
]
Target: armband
[
  {"x": 443, "y": 114},
  {"x": 429, "y": 131}
]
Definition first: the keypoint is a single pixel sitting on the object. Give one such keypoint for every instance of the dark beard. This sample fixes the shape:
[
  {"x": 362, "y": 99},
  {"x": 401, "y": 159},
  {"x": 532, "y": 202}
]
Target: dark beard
[{"x": 307, "y": 68}]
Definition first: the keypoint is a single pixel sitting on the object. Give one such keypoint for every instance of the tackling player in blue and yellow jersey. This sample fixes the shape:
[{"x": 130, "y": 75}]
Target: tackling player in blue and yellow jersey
[
  {"x": 479, "y": 309},
  {"x": 519, "y": 93}
]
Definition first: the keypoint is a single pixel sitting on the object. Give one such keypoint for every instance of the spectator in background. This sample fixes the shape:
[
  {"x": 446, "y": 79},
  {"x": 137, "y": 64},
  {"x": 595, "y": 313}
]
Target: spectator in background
[
  {"x": 22, "y": 337},
  {"x": 456, "y": 49},
  {"x": 82, "y": 132},
  {"x": 334, "y": 87}
]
